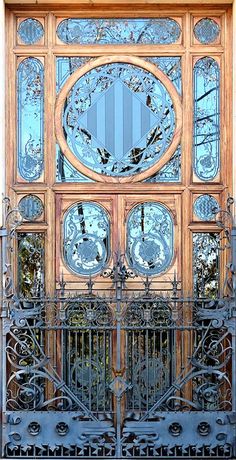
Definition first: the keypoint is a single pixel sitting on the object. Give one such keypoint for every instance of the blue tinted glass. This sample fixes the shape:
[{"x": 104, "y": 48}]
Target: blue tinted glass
[
  {"x": 118, "y": 119},
  {"x": 205, "y": 207},
  {"x": 30, "y": 31},
  {"x": 150, "y": 238},
  {"x": 30, "y": 91},
  {"x": 206, "y": 30},
  {"x": 171, "y": 171},
  {"x": 65, "y": 172},
  {"x": 65, "y": 68},
  {"x": 206, "y": 118},
  {"x": 117, "y": 31},
  {"x": 86, "y": 238},
  {"x": 30, "y": 207},
  {"x": 171, "y": 66}
]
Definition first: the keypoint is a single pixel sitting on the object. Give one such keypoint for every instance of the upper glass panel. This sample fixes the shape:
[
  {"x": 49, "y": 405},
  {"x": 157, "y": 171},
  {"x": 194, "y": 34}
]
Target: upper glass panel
[
  {"x": 86, "y": 245},
  {"x": 30, "y": 31},
  {"x": 150, "y": 238},
  {"x": 159, "y": 31},
  {"x": 206, "y": 118},
  {"x": 30, "y": 91},
  {"x": 118, "y": 119},
  {"x": 206, "y": 31}
]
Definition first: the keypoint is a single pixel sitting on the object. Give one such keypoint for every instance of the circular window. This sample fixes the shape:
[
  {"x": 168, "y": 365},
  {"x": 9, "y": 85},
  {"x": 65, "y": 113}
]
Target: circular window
[{"x": 118, "y": 119}]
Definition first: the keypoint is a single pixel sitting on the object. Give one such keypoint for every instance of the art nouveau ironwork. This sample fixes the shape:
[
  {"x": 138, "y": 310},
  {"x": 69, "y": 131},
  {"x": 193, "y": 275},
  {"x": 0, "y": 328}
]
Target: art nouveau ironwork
[
  {"x": 205, "y": 207},
  {"x": 64, "y": 353},
  {"x": 206, "y": 30},
  {"x": 30, "y": 207}
]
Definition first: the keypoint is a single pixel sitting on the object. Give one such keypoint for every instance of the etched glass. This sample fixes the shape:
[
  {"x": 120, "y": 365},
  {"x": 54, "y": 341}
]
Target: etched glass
[
  {"x": 30, "y": 139},
  {"x": 86, "y": 245},
  {"x": 160, "y": 31},
  {"x": 118, "y": 119},
  {"x": 170, "y": 66},
  {"x": 66, "y": 66},
  {"x": 206, "y": 264},
  {"x": 30, "y": 31},
  {"x": 206, "y": 31},
  {"x": 65, "y": 172},
  {"x": 206, "y": 118},
  {"x": 30, "y": 207},
  {"x": 170, "y": 172},
  {"x": 150, "y": 238},
  {"x": 205, "y": 207}
]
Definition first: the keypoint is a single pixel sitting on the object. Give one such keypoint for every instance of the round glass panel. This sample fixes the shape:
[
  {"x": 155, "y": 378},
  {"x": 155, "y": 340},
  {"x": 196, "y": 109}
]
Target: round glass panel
[
  {"x": 118, "y": 119},
  {"x": 30, "y": 207},
  {"x": 86, "y": 245},
  {"x": 150, "y": 238},
  {"x": 30, "y": 31},
  {"x": 206, "y": 31},
  {"x": 205, "y": 207}
]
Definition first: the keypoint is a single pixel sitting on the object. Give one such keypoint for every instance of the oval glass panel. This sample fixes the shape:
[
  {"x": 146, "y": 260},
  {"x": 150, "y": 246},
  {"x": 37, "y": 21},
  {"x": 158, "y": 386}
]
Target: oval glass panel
[
  {"x": 30, "y": 142},
  {"x": 206, "y": 118},
  {"x": 160, "y": 31},
  {"x": 86, "y": 246},
  {"x": 150, "y": 238},
  {"x": 118, "y": 119}
]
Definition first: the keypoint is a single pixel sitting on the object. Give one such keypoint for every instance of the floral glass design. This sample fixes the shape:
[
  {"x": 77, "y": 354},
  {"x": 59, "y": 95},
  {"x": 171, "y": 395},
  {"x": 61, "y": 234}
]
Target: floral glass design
[
  {"x": 86, "y": 246},
  {"x": 150, "y": 238}
]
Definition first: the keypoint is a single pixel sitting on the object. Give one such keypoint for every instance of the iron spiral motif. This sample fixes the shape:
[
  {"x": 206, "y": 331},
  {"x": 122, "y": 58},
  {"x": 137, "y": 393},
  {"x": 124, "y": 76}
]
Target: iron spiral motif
[
  {"x": 30, "y": 31},
  {"x": 118, "y": 119},
  {"x": 206, "y": 31},
  {"x": 119, "y": 31},
  {"x": 86, "y": 245},
  {"x": 150, "y": 238}
]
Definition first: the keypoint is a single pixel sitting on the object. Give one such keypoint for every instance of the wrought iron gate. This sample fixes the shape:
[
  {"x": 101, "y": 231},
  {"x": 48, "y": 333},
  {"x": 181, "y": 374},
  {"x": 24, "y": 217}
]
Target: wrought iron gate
[{"x": 119, "y": 374}]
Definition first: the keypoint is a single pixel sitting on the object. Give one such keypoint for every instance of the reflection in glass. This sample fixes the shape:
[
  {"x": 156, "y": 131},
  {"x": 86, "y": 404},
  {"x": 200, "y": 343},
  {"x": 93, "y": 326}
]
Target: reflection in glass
[
  {"x": 66, "y": 66},
  {"x": 117, "y": 31},
  {"x": 171, "y": 66},
  {"x": 206, "y": 264},
  {"x": 206, "y": 118},
  {"x": 86, "y": 246},
  {"x": 30, "y": 92},
  {"x": 171, "y": 171},
  {"x": 65, "y": 172},
  {"x": 30, "y": 264},
  {"x": 150, "y": 238},
  {"x": 118, "y": 119}
]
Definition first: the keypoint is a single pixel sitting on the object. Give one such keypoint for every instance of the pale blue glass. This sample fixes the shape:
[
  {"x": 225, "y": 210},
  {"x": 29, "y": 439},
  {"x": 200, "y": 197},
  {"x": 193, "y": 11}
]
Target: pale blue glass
[
  {"x": 206, "y": 118},
  {"x": 170, "y": 66},
  {"x": 86, "y": 245},
  {"x": 150, "y": 236},
  {"x": 30, "y": 31},
  {"x": 161, "y": 31},
  {"x": 205, "y": 207},
  {"x": 118, "y": 119},
  {"x": 30, "y": 126},
  {"x": 206, "y": 31},
  {"x": 66, "y": 66},
  {"x": 65, "y": 172},
  {"x": 30, "y": 207},
  {"x": 171, "y": 171}
]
